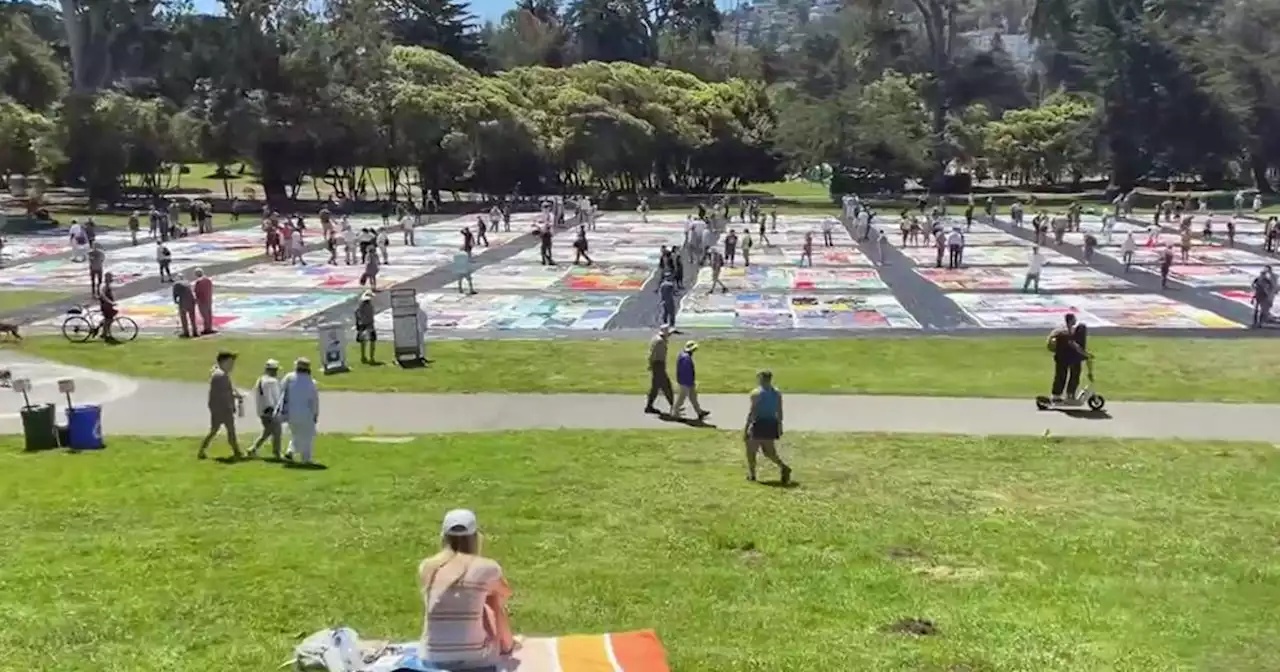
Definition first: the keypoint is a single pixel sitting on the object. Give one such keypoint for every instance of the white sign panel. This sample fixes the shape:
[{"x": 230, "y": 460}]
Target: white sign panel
[
  {"x": 333, "y": 347},
  {"x": 407, "y": 327}
]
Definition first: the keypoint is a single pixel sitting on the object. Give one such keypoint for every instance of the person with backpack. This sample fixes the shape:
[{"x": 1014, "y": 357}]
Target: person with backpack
[{"x": 267, "y": 391}]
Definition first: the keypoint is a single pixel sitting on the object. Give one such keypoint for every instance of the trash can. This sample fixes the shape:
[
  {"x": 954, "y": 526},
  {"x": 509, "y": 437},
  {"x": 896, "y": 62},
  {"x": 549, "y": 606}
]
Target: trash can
[
  {"x": 38, "y": 427},
  {"x": 84, "y": 427}
]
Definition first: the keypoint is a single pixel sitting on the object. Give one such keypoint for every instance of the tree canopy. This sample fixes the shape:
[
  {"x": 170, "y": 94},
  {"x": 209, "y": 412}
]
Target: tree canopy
[{"x": 640, "y": 95}]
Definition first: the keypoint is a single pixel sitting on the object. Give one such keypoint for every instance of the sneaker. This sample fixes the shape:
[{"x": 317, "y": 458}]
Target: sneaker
[
  {"x": 786, "y": 475},
  {"x": 652, "y": 411},
  {"x": 201, "y": 456},
  {"x": 702, "y": 415}
]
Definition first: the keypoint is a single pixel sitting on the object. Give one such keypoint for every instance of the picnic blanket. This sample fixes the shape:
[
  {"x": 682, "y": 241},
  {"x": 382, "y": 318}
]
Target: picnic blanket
[{"x": 342, "y": 650}]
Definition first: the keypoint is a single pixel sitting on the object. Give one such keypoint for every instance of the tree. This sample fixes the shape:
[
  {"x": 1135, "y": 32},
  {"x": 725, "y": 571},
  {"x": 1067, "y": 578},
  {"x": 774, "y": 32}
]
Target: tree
[
  {"x": 1055, "y": 139},
  {"x": 443, "y": 25},
  {"x": 631, "y": 30},
  {"x": 29, "y": 70},
  {"x": 20, "y": 129},
  {"x": 530, "y": 34}
]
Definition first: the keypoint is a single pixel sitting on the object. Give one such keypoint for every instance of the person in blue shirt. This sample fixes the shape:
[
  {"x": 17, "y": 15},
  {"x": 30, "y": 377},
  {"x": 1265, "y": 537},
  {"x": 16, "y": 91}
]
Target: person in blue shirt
[
  {"x": 764, "y": 426},
  {"x": 686, "y": 379}
]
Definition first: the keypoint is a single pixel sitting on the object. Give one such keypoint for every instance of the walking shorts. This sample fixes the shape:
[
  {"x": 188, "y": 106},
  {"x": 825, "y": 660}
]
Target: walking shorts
[{"x": 765, "y": 430}]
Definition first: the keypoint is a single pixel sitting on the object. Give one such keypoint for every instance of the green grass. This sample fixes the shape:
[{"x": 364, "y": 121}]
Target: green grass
[
  {"x": 21, "y": 298},
  {"x": 1026, "y": 554},
  {"x": 1128, "y": 368},
  {"x": 203, "y": 177},
  {"x": 807, "y": 195}
]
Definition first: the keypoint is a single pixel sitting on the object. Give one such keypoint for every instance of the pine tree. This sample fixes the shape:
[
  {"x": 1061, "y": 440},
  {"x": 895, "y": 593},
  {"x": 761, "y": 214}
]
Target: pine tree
[{"x": 443, "y": 25}]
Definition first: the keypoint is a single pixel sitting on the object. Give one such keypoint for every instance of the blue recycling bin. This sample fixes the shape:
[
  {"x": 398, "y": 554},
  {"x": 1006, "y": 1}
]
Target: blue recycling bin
[{"x": 84, "y": 427}]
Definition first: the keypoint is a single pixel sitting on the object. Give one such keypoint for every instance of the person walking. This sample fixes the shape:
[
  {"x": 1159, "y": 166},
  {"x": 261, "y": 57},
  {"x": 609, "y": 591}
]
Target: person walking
[
  {"x": 667, "y": 294},
  {"x": 462, "y": 266},
  {"x": 955, "y": 242},
  {"x": 204, "y": 301},
  {"x": 763, "y": 427},
  {"x": 267, "y": 398},
  {"x": 97, "y": 260},
  {"x": 225, "y": 403},
  {"x": 185, "y": 300},
  {"x": 659, "y": 381},
  {"x": 300, "y": 407},
  {"x": 717, "y": 266},
  {"x": 1034, "y": 266},
  {"x": 163, "y": 259},
  {"x": 371, "y": 266},
  {"x": 1127, "y": 248},
  {"x": 366, "y": 334},
  {"x": 686, "y": 379},
  {"x": 1264, "y": 291}
]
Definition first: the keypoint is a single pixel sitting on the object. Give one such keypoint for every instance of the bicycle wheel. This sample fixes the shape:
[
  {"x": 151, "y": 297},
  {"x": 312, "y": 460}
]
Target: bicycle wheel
[
  {"x": 124, "y": 329},
  {"x": 77, "y": 329}
]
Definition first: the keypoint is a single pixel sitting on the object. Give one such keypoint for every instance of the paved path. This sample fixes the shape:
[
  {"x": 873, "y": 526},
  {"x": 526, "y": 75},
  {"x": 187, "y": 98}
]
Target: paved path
[{"x": 171, "y": 408}]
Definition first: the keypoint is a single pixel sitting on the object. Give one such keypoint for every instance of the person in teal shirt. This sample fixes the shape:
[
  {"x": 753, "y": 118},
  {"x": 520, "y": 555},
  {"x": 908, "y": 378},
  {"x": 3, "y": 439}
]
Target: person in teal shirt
[{"x": 764, "y": 426}]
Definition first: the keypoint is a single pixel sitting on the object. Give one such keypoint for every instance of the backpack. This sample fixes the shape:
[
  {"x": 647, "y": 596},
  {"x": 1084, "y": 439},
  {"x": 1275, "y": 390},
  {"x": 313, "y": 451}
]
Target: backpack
[{"x": 335, "y": 650}]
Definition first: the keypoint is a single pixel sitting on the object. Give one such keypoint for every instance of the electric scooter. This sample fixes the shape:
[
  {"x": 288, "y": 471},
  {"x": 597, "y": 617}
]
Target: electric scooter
[{"x": 1085, "y": 396}]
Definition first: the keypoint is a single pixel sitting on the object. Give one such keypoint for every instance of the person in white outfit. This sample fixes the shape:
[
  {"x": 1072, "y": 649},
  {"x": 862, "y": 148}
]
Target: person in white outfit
[
  {"x": 300, "y": 407},
  {"x": 267, "y": 393}
]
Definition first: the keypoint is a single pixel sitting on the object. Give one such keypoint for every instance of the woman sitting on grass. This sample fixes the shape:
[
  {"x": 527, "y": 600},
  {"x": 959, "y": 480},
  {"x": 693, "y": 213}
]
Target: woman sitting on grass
[{"x": 466, "y": 623}]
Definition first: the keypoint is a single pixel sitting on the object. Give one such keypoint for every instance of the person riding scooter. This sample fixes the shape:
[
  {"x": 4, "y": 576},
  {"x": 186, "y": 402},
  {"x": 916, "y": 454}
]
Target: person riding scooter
[{"x": 1068, "y": 345}]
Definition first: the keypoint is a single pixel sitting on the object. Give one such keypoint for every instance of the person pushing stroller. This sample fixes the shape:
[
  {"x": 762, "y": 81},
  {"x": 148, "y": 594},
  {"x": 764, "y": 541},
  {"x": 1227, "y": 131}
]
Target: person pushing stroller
[{"x": 1068, "y": 344}]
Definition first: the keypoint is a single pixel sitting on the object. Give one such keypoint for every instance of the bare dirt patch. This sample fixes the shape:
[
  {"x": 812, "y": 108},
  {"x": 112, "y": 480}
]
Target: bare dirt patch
[
  {"x": 906, "y": 554},
  {"x": 913, "y": 626}
]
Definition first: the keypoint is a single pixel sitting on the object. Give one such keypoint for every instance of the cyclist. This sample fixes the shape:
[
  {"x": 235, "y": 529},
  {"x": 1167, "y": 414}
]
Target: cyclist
[{"x": 107, "y": 305}]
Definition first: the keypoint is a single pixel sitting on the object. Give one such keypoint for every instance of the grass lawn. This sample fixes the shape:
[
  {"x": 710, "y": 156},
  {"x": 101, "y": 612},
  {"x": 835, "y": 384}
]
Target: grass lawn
[
  {"x": 1128, "y": 368},
  {"x": 22, "y": 298},
  {"x": 1025, "y": 554},
  {"x": 806, "y": 195}
]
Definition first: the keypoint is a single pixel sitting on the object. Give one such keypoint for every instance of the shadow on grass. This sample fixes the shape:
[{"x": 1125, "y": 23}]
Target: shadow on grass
[
  {"x": 777, "y": 483},
  {"x": 305, "y": 466},
  {"x": 688, "y": 422}
]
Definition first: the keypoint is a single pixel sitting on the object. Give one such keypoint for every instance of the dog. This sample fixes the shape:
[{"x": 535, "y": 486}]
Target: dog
[{"x": 10, "y": 329}]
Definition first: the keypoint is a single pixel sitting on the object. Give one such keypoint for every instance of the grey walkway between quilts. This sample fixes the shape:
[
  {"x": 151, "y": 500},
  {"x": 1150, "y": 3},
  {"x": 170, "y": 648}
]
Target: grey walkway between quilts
[{"x": 154, "y": 408}]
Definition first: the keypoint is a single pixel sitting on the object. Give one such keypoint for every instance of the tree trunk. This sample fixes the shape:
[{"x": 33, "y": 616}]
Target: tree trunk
[
  {"x": 1258, "y": 164},
  {"x": 76, "y": 45}
]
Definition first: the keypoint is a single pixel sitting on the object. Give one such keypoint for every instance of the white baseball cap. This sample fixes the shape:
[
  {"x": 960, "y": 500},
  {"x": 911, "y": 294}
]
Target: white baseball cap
[{"x": 459, "y": 523}]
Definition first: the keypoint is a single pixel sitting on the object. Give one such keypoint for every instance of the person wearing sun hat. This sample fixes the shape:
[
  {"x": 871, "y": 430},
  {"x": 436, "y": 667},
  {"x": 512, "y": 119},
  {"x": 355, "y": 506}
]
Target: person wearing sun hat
[
  {"x": 686, "y": 380},
  {"x": 366, "y": 333},
  {"x": 300, "y": 407},
  {"x": 267, "y": 391},
  {"x": 465, "y": 621}
]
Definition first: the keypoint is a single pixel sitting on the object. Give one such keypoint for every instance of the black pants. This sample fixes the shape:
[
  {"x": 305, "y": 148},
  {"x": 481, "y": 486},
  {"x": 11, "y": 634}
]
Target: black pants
[
  {"x": 954, "y": 260},
  {"x": 659, "y": 382},
  {"x": 1065, "y": 375}
]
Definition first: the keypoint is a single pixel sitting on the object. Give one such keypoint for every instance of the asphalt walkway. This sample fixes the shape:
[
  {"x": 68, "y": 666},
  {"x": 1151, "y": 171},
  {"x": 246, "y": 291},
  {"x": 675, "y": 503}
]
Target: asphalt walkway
[{"x": 141, "y": 407}]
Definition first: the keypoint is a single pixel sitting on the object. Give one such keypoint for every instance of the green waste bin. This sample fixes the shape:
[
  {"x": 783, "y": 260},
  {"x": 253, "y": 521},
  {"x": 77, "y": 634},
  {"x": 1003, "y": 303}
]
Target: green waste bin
[{"x": 39, "y": 427}]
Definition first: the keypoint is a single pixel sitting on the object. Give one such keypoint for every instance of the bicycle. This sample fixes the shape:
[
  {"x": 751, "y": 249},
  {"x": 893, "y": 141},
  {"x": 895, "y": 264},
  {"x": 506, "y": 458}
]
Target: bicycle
[{"x": 83, "y": 324}]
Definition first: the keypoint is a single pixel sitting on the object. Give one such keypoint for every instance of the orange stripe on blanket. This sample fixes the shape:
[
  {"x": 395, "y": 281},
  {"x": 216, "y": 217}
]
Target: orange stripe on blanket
[
  {"x": 638, "y": 652},
  {"x": 584, "y": 653}
]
